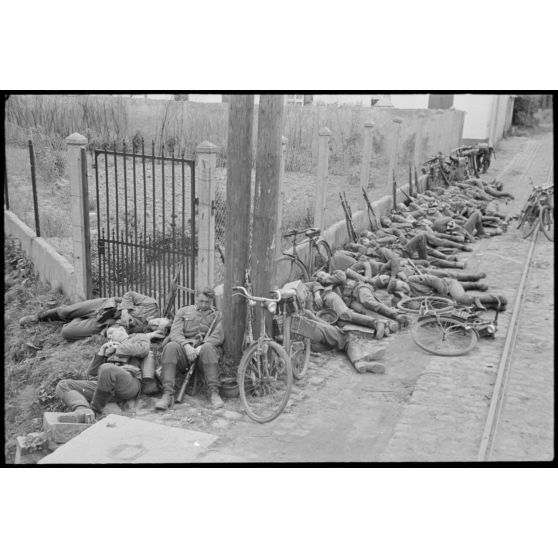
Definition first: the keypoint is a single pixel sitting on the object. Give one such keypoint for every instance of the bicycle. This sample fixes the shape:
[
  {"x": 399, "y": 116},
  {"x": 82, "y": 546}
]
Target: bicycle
[
  {"x": 264, "y": 376},
  {"x": 424, "y": 304},
  {"x": 538, "y": 213},
  {"x": 438, "y": 172},
  {"x": 318, "y": 255},
  {"x": 454, "y": 332},
  {"x": 295, "y": 344}
]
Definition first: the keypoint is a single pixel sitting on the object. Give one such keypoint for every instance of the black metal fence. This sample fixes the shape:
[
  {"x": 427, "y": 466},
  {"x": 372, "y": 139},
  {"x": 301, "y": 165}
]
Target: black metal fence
[
  {"x": 33, "y": 169},
  {"x": 146, "y": 224}
]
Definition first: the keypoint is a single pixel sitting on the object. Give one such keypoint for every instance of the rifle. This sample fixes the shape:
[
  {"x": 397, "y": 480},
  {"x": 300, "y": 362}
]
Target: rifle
[
  {"x": 348, "y": 217},
  {"x": 372, "y": 217},
  {"x": 192, "y": 366},
  {"x": 394, "y": 191}
]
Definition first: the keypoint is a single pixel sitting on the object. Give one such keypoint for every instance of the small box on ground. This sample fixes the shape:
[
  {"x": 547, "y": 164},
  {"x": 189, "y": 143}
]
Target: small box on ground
[{"x": 60, "y": 432}]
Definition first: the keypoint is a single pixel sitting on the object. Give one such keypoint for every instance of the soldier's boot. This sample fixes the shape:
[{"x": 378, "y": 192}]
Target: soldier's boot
[
  {"x": 43, "y": 316},
  {"x": 100, "y": 399},
  {"x": 214, "y": 398},
  {"x": 372, "y": 367},
  {"x": 168, "y": 375},
  {"x": 494, "y": 301},
  {"x": 474, "y": 286},
  {"x": 81, "y": 414}
]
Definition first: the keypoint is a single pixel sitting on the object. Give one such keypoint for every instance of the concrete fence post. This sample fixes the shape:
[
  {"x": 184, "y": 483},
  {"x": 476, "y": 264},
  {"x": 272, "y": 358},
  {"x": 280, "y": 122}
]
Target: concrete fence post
[
  {"x": 79, "y": 211},
  {"x": 206, "y": 164},
  {"x": 366, "y": 154},
  {"x": 281, "y": 205},
  {"x": 321, "y": 193},
  {"x": 418, "y": 155},
  {"x": 394, "y": 154}
]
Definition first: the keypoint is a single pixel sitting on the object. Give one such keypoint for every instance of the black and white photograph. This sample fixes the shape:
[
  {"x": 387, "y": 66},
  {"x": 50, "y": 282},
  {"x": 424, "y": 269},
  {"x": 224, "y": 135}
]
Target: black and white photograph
[{"x": 278, "y": 277}]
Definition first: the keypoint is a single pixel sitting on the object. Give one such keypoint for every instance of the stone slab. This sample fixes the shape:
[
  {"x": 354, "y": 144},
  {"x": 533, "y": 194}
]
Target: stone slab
[{"x": 119, "y": 439}]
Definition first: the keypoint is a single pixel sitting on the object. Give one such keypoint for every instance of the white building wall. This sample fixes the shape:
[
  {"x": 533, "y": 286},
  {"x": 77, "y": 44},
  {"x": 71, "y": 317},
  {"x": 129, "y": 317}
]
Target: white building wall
[
  {"x": 363, "y": 100},
  {"x": 417, "y": 101},
  {"x": 478, "y": 109}
]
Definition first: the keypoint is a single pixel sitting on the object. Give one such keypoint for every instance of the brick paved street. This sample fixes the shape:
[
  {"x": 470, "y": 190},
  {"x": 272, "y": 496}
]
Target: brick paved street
[{"x": 445, "y": 417}]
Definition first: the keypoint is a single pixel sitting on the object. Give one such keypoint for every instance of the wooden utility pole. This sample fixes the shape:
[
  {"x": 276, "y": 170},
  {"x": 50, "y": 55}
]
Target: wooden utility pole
[
  {"x": 266, "y": 194},
  {"x": 237, "y": 232}
]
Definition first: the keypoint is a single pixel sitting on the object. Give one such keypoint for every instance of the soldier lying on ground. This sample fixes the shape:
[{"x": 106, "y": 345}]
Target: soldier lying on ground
[
  {"x": 83, "y": 319},
  {"x": 325, "y": 336},
  {"x": 115, "y": 371},
  {"x": 350, "y": 300},
  {"x": 196, "y": 335},
  {"x": 428, "y": 284}
]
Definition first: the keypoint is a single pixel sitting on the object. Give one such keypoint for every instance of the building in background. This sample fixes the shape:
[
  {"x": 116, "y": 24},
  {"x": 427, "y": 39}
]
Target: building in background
[{"x": 487, "y": 117}]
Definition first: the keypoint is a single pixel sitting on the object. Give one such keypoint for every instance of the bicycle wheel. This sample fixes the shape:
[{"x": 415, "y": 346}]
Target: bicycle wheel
[
  {"x": 298, "y": 349},
  {"x": 321, "y": 254},
  {"x": 547, "y": 223},
  {"x": 444, "y": 336},
  {"x": 416, "y": 304},
  {"x": 290, "y": 269},
  {"x": 529, "y": 223},
  {"x": 265, "y": 379}
]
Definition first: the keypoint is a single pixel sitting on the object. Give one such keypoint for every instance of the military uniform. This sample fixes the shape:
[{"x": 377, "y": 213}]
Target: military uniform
[
  {"x": 189, "y": 327},
  {"x": 117, "y": 375}
]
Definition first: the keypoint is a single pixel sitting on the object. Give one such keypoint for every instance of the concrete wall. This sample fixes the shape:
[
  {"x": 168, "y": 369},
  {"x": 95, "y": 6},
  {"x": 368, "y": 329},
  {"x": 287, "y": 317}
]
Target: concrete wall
[{"x": 51, "y": 266}]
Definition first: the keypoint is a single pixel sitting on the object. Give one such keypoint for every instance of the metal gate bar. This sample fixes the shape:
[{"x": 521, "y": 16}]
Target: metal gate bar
[{"x": 130, "y": 257}]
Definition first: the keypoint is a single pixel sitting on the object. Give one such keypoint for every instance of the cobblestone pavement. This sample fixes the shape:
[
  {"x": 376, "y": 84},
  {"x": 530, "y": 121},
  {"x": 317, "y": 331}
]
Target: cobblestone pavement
[
  {"x": 445, "y": 417},
  {"x": 526, "y": 427},
  {"x": 425, "y": 408}
]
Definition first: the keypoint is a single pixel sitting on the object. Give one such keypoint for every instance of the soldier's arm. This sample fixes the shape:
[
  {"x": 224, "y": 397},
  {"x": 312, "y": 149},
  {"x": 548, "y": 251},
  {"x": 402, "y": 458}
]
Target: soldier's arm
[
  {"x": 177, "y": 328},
  {"x": 133, "y": 299},
  {"x": 135, "y": 346}
]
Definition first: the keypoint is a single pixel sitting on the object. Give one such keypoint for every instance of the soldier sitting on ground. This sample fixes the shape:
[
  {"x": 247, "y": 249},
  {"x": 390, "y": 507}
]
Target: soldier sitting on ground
[
  {"x": 114, "y": 371},
  {"x": 196, "y": 335},
  {"x": 83, "y": 319}
]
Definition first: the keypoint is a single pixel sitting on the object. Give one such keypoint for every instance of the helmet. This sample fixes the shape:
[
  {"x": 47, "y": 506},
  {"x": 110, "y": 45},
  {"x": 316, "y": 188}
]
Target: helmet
[{"x": 328, "y": 315}]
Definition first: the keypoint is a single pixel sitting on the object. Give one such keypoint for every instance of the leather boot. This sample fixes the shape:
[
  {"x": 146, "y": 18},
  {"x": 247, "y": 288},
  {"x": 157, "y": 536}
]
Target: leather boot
[
  {"x": 214, "y": 398},
  {"x": 168, "y": 375},
  {"x": 380, "y": 329},
  {"x": 100, "y": 399},
  {"x": 375, "y": 354},
  {"x": 474, "y": 286},
  {"x": 43, "y": 316},
  {"x": 372, "y": 367},
  {"x": 80, "y": 414}
]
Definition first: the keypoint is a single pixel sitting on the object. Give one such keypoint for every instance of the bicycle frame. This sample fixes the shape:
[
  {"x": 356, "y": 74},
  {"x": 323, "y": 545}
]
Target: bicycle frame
[{"x": 313, "y": 241}]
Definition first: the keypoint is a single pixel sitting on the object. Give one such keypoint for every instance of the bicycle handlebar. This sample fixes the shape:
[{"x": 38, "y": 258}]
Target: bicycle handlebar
[
  {"x": 312, "y": 231},
  {"x": 243, "y": 292}
]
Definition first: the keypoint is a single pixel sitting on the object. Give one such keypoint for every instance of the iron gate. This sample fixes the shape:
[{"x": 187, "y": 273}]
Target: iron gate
[{"x": 146, "y": 224}]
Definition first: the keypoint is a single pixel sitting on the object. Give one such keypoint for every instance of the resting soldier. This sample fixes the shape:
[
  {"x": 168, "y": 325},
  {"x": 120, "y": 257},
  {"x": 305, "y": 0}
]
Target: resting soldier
[
  {"x": 133, "y": 311},
  {"x": 196, "y": 335},
  {"x": 114, "y": 371}
]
